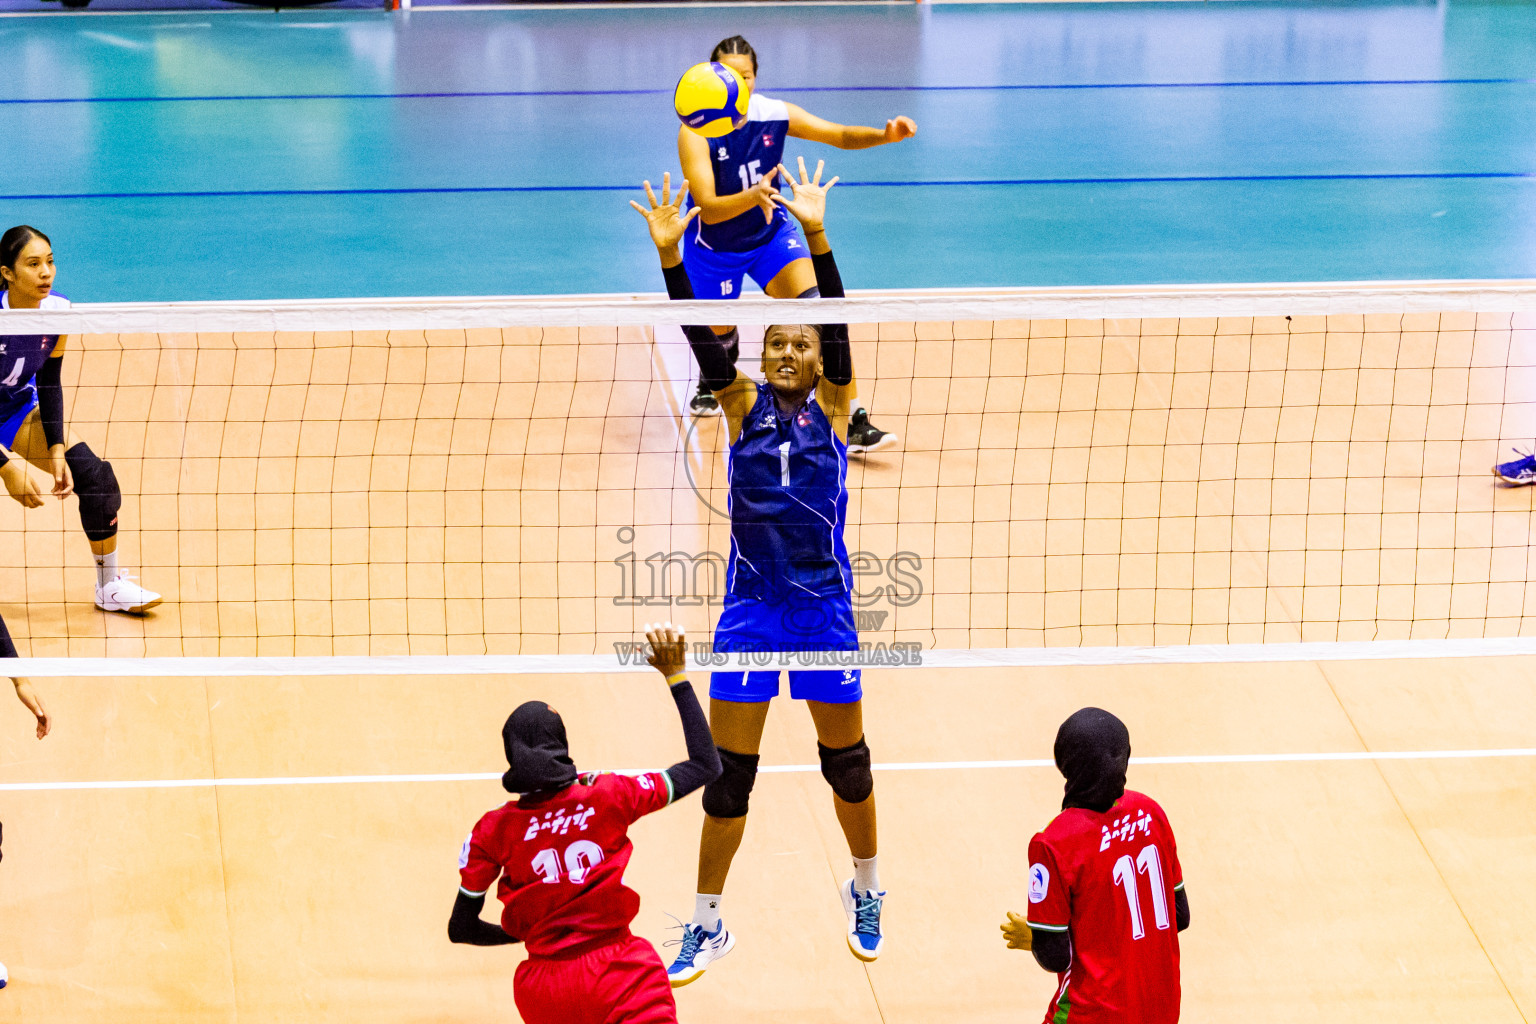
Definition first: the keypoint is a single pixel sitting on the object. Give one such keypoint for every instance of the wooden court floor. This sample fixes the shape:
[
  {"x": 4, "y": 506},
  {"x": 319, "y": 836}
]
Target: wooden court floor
[{"x": 1341, "y": 890}]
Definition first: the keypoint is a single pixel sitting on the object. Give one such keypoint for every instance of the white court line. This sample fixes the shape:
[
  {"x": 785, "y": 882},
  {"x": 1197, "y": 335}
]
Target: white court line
[
  {"x": 607, "y": 664},
  {"x": 780, "y": 769}
]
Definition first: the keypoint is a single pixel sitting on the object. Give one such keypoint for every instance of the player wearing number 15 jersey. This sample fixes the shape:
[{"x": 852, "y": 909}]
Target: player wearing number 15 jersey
[
  {"x": 741, "y": 231},
  {"x": 1106, "y": 893},
  {"x": 557, "y": 856}
]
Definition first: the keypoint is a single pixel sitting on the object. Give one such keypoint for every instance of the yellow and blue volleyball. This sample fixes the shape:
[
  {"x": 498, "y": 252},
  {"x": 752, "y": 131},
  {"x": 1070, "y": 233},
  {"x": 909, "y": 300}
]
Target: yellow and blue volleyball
[{"x": 710, "y": 99}]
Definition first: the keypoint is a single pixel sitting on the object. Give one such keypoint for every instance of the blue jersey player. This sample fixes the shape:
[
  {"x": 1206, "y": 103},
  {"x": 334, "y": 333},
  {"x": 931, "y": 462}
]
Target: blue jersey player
[
  {"x": 741, "y": 231},
  {"x": 789, "y": 584},
  {"x": 32, "y": 420}
]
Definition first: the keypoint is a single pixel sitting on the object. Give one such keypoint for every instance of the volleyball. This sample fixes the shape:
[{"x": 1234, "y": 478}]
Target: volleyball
[{"x": 710, "y": 99}]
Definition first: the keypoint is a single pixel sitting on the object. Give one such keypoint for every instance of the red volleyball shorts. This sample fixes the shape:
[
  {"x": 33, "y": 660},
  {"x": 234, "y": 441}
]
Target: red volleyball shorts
[{"x": 624, "y": 982}]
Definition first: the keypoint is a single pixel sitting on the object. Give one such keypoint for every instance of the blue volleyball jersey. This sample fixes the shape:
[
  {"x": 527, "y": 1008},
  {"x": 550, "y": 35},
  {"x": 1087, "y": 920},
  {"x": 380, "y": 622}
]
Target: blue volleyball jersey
[
  {"x": 22, "y": 355},
  {"x": 740, "y": 159},
  {"x": 788, "y": 502}
]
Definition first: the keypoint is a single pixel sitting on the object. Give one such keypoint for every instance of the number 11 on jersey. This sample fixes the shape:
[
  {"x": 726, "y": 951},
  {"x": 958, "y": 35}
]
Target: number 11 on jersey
[{"x": 1148, "y": 863}]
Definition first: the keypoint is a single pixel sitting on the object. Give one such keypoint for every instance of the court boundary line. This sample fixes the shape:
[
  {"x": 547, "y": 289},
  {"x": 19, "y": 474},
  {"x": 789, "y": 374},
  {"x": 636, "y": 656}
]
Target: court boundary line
[
  {"x": 610, "y": 664},
  {"x": 780, "y": 769},
  {"x": 915, "y": 305}
]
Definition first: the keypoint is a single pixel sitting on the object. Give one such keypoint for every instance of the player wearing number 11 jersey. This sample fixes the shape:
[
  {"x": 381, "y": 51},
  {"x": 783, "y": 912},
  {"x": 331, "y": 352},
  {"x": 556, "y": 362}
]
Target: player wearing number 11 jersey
[{"x": 1106, "y": 893}]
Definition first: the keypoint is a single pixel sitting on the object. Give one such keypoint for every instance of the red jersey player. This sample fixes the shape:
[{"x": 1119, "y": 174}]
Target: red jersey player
[
  {"x": 560, "y": 851},
  {"x": 1106, "y": 892}
]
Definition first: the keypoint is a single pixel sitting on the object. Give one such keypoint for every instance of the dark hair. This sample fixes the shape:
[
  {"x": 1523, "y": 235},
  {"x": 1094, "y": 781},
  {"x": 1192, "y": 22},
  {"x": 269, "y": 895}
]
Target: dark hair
[
  {"x": 15, "y": 240},
  {"x": 735, "y": 44}
]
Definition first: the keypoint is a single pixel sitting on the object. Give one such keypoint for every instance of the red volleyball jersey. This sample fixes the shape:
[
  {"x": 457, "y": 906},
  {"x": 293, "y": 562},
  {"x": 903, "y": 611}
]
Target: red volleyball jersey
[
  {"x": 561, "y": 860},
  {"x": 1110, "y": 878}
]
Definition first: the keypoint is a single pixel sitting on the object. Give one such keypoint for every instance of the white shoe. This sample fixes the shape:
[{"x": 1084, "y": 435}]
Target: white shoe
[
  {"x": 5, "y": 976},
  {"x": 124, "y": 595},
  {"x": 865, "y": 937},
  {"x": 700, "y": 949}
]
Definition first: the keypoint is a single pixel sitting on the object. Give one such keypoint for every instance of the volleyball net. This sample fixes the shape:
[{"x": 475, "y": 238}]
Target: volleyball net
[{"x": 523, "y": 478}]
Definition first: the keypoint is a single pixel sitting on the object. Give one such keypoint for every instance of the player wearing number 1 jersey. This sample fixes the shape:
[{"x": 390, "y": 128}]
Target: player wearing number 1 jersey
[
  {"x": 1106, "y": 892},
  {"x": 557, "y": 856},
  {"x": 789, "y": 584}
]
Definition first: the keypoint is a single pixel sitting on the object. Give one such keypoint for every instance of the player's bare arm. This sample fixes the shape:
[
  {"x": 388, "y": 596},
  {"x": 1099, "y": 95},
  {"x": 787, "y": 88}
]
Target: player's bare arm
[
  {"x": 24, "y": 691},
  {"x": 807, "y": 126},
  {"x": 34, "y": 704},
  {"x": 693, "y": 153}
]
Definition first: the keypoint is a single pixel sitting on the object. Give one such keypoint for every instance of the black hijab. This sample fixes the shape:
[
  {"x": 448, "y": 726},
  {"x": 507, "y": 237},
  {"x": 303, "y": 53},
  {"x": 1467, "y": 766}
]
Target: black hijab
[
  {"x": 1093, "y": 749},
  {"x": 540, "y": 759}
]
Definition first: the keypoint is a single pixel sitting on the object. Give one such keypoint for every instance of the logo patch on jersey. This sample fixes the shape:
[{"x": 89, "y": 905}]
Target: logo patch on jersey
[
  {"x": 1039, "y": 883},
  {"x": 767, "y": 138},
  {"x": 723, "y": 154},
  {"x": 464, "y": 852}
]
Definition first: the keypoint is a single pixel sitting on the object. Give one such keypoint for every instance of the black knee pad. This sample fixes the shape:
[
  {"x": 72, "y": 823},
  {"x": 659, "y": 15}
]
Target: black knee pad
[
  {"x": 847, "y": 770},
  {"x": 813, "y": 292},
  {"x": 727, "y": 796},
  {"x": 100, "y": 496}
]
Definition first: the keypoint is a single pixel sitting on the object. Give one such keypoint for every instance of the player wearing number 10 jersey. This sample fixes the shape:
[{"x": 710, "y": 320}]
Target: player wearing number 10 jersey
[
  {"x": 1106, "y": 893},
  {"x": 559, "y": 853}
]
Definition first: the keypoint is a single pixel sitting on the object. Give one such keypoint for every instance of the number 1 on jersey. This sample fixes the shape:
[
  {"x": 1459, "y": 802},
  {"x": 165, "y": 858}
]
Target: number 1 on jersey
[
  {"x": 15, "y": 377},
  {"x": 1148, "y": 863},
  {"x": 784, "y": 464}
]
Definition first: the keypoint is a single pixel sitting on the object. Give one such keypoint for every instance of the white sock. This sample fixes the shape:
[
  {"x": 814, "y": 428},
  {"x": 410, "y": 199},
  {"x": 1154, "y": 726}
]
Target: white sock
[
  {"x": 866, "y": 874},
  {"x": 706, "y": 911},
  {"x": 106, "y": 568}
]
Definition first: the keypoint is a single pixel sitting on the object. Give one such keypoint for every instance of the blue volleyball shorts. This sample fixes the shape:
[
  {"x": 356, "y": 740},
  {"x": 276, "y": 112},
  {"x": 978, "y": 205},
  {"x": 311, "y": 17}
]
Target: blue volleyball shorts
[
  {"x": 717, "y": 274},
  {"x": 11, "y": 419},
  {"x": 799, "y": 624}
]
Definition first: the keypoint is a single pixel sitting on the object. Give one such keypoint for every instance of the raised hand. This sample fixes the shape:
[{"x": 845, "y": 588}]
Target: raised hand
[
  {"x": 662, "y": 218},
  {"x": 669, "y": 648},
  {"x": 810, "y": 202},
  {"x": 899, "y": 128}
]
